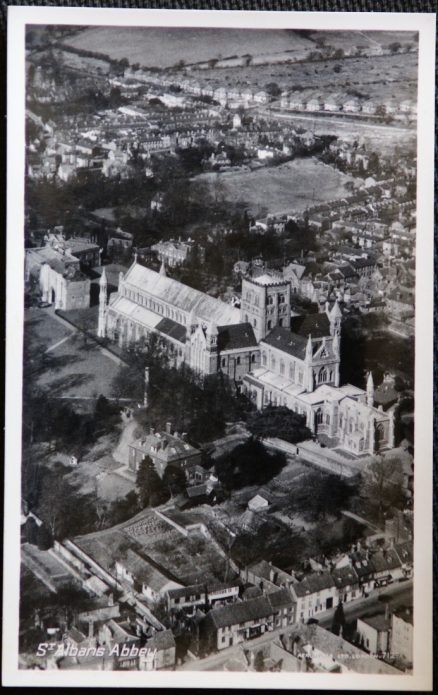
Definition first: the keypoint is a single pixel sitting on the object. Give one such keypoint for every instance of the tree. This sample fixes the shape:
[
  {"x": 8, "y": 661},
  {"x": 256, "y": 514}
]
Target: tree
[
  {"x": 273, "y": 89},
  {"x": 151, "y": 490},
  {"x": 174, "y": 480},
  {"x": 382, "y": 486},
  {"x": 123, "y": 509},
  {"x": 339, "y": 621},
  {"x": 278, "y": 421},
  {"x": 259, "y": 662},
  {"x": 322, "y": 494},
  {"x": 248, "y": 464}
]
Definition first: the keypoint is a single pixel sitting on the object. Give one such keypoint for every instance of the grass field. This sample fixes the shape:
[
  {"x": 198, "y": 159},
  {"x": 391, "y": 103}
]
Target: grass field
[
  {"x": 73, "y": 368},
  {"x": 376, "y": 76},
  {"x": 290, "y": 186},
  {"x": 164, "y": 47}
]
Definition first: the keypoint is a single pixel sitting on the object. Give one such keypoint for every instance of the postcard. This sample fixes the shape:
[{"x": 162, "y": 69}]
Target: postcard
[{"x": 219, "y": 349}]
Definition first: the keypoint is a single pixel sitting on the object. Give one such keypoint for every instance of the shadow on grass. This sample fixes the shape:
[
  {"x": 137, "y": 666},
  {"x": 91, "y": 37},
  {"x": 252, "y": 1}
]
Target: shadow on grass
[{"x": 59, "y": 387}]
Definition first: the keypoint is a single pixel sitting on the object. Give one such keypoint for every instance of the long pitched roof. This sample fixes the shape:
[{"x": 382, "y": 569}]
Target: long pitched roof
[
  {"x": 313, "y": 583},
  {"x": 182, "y": 296},
  {"x": 235, "y": 613}
]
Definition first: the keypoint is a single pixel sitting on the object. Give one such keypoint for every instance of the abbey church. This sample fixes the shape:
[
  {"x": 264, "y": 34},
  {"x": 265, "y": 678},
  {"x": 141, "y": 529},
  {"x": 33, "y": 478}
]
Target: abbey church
[{"x": 273, "y": 356}]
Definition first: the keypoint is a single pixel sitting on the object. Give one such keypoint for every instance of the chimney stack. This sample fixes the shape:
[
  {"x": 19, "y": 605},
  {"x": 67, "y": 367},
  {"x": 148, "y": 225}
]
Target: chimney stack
[{"x": 168, "y": 427}]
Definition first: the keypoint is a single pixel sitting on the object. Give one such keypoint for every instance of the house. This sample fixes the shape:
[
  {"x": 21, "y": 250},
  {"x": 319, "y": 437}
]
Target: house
[
  {"x": 347, "y": 583},
  {"x": 165, "y": 449},
  {"x": 373, "y": 633},
  {"x": 228, "y": 625},
  {"x": 400, "y": 527},
  {"x": 283, "y": 608},
  {"x": 402, "y": 633},
  {"x": 314, "y": 104},
  {"x": 387, "y": 567},
  {"x": 297, "y": 102},
  {"x": 163, "y": 646},
  {"x": 404, "y": 552},
  {"x": 267, "y": 576},
  {"x": 369, "y": 107},
  {"x": 360, "y": 561},
  {"x": 333, "y": 103},
  {"x": 175, "y": 253},
  {"x": 144, "y": 577},
  {"x": 315, "y": 593},
  {"x": 190, "y": 597},
  {"x": 61, "y": 281},
  {"x": 261, "y": 97},
  {"x": 351, "y": 106},
  {"x": 258, "y": 503}
]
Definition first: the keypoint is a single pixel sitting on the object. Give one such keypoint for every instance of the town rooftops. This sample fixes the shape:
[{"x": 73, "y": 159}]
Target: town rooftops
[
  {"x": 280, "y": 599},
  {"x": 404, "y": 552},
  {"x": 163, "y": 639},
  {"x": 235, "y": 613},
  {"x": 78, "y": 245},
  {"x": 313, "y": 583},
  {"x": 385, "y": 560},
  {"x": 362, "y": 564},
  {"x": 235, "y": 336},
  {"x": 344, "y": 576}
]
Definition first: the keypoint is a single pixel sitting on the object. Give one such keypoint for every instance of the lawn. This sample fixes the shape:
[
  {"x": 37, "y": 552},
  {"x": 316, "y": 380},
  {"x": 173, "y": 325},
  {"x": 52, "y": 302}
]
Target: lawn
[
  {"x": 376, "y": 76},
  {"x": 42, "y": 330},
  {"x": 75, "y": 368},
  {"x": 164, "y": 47},
  {"x": 280, "y": 189}
]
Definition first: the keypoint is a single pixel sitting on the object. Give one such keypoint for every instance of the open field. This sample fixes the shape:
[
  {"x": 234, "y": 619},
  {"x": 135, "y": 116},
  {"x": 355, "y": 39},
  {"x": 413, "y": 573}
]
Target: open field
[
  {"x": 164, "y": 47},
  {"x": 291, "y": 186},
  {"x": 74, "y": 368},
  {"x": 377, "y": 77}
]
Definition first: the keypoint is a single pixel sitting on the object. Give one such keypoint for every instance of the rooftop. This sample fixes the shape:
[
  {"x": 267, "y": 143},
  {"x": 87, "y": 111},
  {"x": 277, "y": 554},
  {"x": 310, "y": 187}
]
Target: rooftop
[
  {"x": 378, "y": 622},
  {"x": 317, "y": 325},
  {"x": 235, "y": 613},
  {"x": 235, "y": 336},
  {"x": 182, "y": 296}
]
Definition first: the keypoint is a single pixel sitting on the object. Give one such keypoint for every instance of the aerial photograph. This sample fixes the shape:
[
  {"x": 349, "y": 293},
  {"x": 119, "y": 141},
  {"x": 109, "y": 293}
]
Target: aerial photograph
[{"x": 217, "y": 465}]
